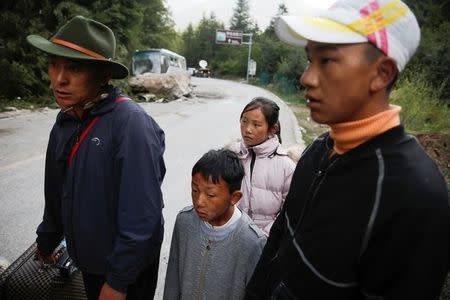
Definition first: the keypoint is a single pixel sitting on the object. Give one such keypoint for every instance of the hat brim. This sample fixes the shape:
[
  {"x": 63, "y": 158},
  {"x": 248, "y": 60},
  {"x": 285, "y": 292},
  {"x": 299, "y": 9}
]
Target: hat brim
[
  {"x": 118, "y": 70},
  {"x": 298, "y": 30}
]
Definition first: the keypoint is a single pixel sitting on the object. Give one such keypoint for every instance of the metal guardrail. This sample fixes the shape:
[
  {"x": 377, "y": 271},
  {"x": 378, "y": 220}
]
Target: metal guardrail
[{"x": 26, "y": 279}]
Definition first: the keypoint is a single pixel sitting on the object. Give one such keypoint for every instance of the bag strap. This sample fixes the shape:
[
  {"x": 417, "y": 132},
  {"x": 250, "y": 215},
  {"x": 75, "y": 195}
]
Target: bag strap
[
  {"x": 122, "y": 98},
  {"x": 86, "y": 131},
  {"x": 81, "y": 139}
]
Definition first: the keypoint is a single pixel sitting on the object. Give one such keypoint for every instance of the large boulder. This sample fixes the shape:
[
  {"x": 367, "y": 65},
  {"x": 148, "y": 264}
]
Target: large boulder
[{"x": 174, "y": 84}]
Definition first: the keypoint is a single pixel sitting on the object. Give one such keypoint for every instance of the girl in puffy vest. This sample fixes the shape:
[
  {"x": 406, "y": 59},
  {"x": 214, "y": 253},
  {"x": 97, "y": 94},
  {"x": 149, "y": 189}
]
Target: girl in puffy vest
[{"x": 268, "y": 168}]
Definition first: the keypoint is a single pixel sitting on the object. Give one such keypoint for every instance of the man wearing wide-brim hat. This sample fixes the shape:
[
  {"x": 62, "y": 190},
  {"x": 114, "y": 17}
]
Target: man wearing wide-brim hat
[
  {"x": 367, "y": 214},
  {"x": 104, "y": 168}
]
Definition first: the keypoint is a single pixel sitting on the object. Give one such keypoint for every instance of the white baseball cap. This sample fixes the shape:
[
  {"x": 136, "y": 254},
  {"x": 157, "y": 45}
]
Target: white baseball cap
[{"x": 387, "y": 24}]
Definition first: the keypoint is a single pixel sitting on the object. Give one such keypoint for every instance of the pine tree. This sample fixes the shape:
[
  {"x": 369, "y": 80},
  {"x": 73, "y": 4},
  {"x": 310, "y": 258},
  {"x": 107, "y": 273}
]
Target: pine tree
[
  {"x": 157, "y": 30},
  {"x": 241, "y": 17},
  {"x": 136, "y": 24},
  {"x": 188, "y": 50}
]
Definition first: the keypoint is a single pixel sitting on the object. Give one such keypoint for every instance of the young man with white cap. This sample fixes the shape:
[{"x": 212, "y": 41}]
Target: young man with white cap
[{"x": 367, "y": 215}]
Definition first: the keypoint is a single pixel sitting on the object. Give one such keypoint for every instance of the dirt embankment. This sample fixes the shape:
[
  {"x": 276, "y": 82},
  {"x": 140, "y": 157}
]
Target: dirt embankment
[{"x": 437, "y": 146}]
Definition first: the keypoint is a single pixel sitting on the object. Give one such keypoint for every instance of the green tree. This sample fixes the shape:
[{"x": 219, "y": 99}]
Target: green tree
[
  {"x": 189, "y": 46},
  {"x": 20, "y": 75},
  {"x": 278, "y": 62},
  {"x": 199, "y": 42},
  {"x": 241, "y": 17},
  {"x": 157, "y": 30},
  {"x": 137, "y": 24}
]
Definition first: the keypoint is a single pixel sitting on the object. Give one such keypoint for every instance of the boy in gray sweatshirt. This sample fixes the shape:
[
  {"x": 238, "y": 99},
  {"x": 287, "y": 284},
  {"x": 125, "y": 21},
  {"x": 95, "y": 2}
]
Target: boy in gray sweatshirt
[{"x": 215, "y": 246}]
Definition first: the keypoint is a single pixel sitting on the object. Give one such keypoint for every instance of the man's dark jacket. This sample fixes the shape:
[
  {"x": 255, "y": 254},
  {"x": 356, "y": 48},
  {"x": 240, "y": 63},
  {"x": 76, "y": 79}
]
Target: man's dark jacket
[
  {"x": 373, "y": 223},
  {"x": 107, "y": 202}
]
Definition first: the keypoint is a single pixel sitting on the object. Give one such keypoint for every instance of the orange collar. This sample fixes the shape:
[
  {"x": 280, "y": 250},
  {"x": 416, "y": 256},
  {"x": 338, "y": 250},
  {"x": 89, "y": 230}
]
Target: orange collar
[{"x": 349, "y": 135}]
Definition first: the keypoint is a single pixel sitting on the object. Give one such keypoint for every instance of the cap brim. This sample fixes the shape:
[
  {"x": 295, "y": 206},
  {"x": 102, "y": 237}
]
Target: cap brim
[
  {"x": 297, "y": 30},
  {"x": 118, "y": 70}
]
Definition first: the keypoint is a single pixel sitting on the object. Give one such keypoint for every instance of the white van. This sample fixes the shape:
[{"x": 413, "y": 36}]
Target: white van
[{"x": 156, "y": 61}]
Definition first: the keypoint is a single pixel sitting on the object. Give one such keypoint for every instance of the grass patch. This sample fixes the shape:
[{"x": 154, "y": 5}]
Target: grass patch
[
  {"x": 422, "y": 112},
  {"x": 310, "y": 129}
]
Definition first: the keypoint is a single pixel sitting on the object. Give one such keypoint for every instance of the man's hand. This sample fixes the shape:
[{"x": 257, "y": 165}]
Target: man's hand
[
  {"x": 50, "y": 259},
  {"x": 108, "y": 293}
]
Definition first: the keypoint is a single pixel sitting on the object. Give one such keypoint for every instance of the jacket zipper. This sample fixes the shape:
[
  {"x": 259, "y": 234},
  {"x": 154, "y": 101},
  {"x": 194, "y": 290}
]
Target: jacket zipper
[
  {"x": 202, "y": 271},
  {"x": 77, "y": 140},
  {"x": 252, "y": 165},
  {"x": 317, "y": 182},
  {"x": 315, "y": 186}
]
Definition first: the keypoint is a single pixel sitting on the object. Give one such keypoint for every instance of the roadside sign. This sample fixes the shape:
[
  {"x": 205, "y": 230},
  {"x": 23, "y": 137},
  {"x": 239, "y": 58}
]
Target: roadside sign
[
  {"x": 252, "y": 67},
  {"x": 233, "y": 37}
]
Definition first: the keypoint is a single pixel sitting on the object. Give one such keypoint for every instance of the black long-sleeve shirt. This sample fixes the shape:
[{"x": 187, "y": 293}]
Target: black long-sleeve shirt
[{"x": 373, "y": 223}]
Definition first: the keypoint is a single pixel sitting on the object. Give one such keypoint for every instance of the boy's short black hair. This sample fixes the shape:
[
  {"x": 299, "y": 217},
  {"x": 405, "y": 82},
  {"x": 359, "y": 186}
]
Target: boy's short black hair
[{"x": 223, "y": 164}]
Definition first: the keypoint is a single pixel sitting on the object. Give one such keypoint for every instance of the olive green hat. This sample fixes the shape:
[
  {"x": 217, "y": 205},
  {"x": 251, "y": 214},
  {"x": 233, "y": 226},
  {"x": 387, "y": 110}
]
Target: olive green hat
[{"x": 83, "y": 38}]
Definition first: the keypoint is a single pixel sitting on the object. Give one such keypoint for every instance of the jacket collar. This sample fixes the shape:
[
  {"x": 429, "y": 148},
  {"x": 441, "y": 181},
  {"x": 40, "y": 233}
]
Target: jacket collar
[
  {"x": 102, "y": 107},
  {"x": 265, "y": 149},
  {"x": 395, "y": 134},
  {"x": 107, "y": 104}
]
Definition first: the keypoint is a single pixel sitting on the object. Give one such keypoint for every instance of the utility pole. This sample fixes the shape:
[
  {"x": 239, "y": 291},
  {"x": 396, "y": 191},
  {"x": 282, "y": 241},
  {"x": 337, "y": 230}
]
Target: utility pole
[{"x": 249, "y": 43}]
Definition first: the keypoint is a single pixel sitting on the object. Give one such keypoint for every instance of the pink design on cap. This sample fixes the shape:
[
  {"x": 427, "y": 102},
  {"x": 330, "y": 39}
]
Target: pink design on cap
[
  {"x": 382, "y": 43},
  {"x": 382, "y": 33}
]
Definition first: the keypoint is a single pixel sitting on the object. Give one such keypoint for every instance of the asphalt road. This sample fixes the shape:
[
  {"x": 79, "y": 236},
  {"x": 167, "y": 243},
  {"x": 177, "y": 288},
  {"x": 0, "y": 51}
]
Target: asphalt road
[{"x": 209, "y": 120}]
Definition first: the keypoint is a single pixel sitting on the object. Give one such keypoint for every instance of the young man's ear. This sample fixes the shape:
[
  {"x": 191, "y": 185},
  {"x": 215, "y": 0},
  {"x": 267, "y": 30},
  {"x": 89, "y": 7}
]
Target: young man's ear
[
  {"x": 235, "y": 197},
  {"x": 386, "y": 72}
]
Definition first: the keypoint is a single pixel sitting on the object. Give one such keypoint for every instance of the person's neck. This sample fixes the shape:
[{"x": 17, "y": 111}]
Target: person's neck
[
  {"x": 228, "y": 214},
  {"x": 220, "y": 232},
  {"x": 79, "y": 112},
  {"x": 349, "y": 135},
  {"x": 80, "y": 109},
  {"x": 76, "y": 111}
]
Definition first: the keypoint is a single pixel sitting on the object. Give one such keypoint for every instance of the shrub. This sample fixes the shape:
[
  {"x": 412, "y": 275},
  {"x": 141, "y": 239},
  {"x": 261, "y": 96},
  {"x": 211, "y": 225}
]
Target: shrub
[
  {"x": 422, "y": 111},
  {"x": 18, "y": 80}
]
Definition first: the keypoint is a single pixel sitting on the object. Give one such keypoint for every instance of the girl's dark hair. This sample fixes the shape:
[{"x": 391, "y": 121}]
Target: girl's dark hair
[
  {"x": 269, "y": 109},
  {"x": 223, "y": 164}
]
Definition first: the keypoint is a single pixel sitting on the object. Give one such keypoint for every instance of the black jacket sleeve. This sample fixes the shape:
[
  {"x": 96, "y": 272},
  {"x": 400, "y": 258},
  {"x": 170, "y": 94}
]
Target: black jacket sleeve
[
  {"x": 50, "y": 232},
  {"x": 259, "y": 281},
  {"x": 140, "y": 202}
]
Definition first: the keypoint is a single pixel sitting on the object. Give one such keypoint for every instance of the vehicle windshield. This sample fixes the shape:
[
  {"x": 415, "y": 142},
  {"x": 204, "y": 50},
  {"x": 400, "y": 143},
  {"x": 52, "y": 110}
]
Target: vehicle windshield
[{"x": 145, "y": 62}]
